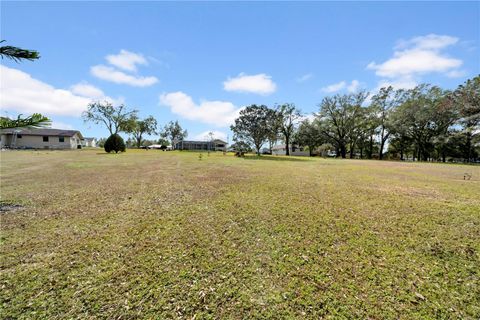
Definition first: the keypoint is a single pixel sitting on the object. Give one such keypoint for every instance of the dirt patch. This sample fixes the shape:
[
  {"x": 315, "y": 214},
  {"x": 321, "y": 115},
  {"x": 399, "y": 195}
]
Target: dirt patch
[{"x": 8, "y": 206}]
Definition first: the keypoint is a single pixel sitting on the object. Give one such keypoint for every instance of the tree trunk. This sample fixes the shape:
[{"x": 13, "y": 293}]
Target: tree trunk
[
  {"x": 380, "y": 152},
  {"x": 287, "y": 149},
  {"x": 310, "y": 151},
  {"x": 469, "y": 147},
  {"x": 343, "y": 151},
  {"x": 370, "y": 151},
  {"x": 139, "y": 141}
]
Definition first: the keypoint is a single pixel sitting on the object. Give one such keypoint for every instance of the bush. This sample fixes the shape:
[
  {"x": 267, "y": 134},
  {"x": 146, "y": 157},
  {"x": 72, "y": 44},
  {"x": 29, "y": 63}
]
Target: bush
[{"x": 114, "y": 143}]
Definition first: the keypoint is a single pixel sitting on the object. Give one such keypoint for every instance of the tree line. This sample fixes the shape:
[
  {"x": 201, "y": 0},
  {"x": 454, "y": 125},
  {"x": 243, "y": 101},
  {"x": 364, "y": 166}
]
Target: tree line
[
  {"x": 425, "y": 123},
  {"x": 119, "y": 118}
]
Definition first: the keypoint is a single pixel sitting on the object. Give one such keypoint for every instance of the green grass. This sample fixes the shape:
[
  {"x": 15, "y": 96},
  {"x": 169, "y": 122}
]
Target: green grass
[{"x": 151, "y": 234}]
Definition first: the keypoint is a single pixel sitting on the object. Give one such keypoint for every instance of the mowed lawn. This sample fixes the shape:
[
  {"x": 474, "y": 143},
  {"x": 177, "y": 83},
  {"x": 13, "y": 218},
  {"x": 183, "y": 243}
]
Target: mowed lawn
[{"x": 157, "y": 235}]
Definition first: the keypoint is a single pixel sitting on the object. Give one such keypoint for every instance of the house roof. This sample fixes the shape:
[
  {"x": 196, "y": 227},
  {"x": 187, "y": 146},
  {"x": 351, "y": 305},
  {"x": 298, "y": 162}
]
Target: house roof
[{"x": 43, "y": 132}]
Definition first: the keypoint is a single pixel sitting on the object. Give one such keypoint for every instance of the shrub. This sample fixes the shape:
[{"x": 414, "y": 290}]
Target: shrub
[{"x": 114, "y": 143}]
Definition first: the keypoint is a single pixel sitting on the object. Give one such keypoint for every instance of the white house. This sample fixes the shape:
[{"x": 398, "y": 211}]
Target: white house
[
  {"x": 89, "y": 142},
  {"x": 40, "y": 139},
  {"x": 214, "y": 145},
  {"x": 281, "y": 150}
]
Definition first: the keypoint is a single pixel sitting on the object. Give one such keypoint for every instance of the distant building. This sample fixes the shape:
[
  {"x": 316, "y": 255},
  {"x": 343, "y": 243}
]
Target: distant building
[
  {"x": 281, "y": 150},
  {"x": 215, "y": 145},
  {"x": 89, "y": 142},
  {"x": 40, "y": 139}
]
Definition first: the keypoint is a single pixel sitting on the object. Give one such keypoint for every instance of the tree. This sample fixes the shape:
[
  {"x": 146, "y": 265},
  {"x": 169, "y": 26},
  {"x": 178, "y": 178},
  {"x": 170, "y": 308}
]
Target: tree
[
  {"x": 273, "y": 124},
  {"x": 173, "y": 132},
  {"x": 101, "y": 142},
  {"x": 338, "y": 118},
  {"x": 114, "y": 143},
  {"x": 422, "y": 116},
  {"x": 36, "y": 120},
  {"x": 17, "y": 54},
  {"x": 308, "y": 134},
  {"x": 114, "y": 118},
  {"x": 252, "y": 125},
  {"x": 241, "y": 147},
  {"x": 289, "y": 116},
  {"x": 137, "y": 128},
  {"x": 210, "y": 138},
  {"x": 163, "y": 142},
  {"x": 385, "y": 102},
  {"x": 367, "y": 130},
  {"x": 466, "y": 99}
]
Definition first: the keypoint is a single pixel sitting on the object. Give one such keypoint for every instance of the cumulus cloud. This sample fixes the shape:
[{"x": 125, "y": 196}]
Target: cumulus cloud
[
  {"x": 258, "y": 83},
  {"x": 24, "y": 94},
  {"x": 428, "y": 42},
  {"x": 126, "y": 60},
  {"x": 416, "y": 57},
  {"x": 205, "y": 136},
  {"x": 304, "y": 77},
  {"x": 401, "y": 83},
  {"x": 113, "y": 75},
  {"x": 334, "y": 87},
  {"x": 61, "y": 125},
  {"x": 354, "y": 86},
  {"x": 218, "y": 113},
  {"x": 87, "y": 90},
  {"x": 310, "y": 117},
  {"x": 84, "y": 89},
  {"x": 351, "y": 87},
  {"x": 456, "y": 74}
]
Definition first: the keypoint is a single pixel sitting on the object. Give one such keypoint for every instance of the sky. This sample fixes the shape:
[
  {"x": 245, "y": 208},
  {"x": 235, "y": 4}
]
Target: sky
[{"x": 201, "y": 62}]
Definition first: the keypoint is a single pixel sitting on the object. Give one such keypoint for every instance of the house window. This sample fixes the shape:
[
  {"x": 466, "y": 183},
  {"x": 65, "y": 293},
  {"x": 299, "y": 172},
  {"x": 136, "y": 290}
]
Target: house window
[
  {"x": 61, "y": 139},
  {"x": 19, "y": 136},
  {"x": 45, "y": 138}
]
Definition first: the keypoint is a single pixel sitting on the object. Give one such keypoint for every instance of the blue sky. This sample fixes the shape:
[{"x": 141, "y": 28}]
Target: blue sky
[{"x": 200, "y": 62}]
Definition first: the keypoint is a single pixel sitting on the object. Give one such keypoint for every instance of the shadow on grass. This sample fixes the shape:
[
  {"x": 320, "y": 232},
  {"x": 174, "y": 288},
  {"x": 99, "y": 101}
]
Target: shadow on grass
[
  {"x": 107, "y": 154},
  {"x": 275, "y": 158}
]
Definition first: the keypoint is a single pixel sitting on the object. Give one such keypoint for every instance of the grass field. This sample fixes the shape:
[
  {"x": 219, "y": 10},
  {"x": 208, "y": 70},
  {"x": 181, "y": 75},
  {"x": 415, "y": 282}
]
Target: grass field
[{"x": 151, "y": 234}]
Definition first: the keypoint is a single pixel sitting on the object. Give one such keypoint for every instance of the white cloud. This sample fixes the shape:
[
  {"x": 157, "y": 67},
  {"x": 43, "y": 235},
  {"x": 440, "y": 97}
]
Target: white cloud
[
  {"x": 304, "y": 77},
  {"x": 428, "y": 42},
  {"x": 87, "y": 90},
  {"x": 26, "y": 95},
  {"x": 259, "y": 83},
  {"x": 418, "y": 56},
  {"x": 334, "y": 87},
  {"x": 400, "y": 83},
  {"x": 111, "y": 74},
  {"x": 84, "y": 89},
  {"x": 126, "y": 60},
  {"x": 310, "y": 117},
  {"x": 353, "y": 86},
  {"x": 205, "y": 136},
  {"x": 457, "y": 74},
  {"x": 61, "y": 125},
  {"x": 218, "y": 113}
]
